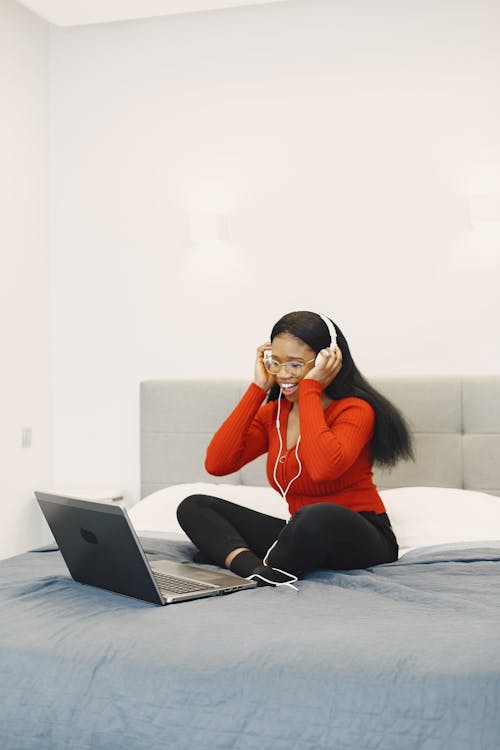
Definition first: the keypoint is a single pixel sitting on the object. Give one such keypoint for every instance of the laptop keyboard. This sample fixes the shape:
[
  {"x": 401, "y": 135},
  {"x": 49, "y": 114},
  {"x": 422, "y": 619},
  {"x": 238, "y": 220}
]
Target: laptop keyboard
[{"x": 180, "y": 585}]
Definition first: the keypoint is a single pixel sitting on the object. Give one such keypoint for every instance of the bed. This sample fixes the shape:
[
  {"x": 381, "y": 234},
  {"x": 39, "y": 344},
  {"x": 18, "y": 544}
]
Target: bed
[{"x": 404, "y": 656}]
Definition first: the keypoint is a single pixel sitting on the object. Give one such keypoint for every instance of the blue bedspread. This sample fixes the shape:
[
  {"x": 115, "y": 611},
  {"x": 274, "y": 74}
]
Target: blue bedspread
[{"x": 398, "y": 657}]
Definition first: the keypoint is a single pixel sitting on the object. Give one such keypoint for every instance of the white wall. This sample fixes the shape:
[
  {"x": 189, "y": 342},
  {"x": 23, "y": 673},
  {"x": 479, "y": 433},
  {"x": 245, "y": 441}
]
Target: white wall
[
  {"x": 342, "y": 140},
  {"x": 25, "y": 393}
]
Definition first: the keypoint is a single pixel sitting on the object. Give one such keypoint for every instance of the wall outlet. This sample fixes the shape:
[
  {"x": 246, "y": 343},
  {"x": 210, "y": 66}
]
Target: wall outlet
[{"x": 26, "y": 437}]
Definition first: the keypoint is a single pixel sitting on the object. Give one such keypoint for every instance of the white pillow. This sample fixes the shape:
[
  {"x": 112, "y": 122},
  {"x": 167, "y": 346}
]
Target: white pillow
[
  {"x": 424, "y": 516},
  {"x": 420, "y": 516},
  {"x": 157, "y": 512}
]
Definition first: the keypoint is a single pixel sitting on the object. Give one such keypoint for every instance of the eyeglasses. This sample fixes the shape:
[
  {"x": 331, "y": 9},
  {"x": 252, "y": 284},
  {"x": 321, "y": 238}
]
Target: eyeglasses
[{"x": 291, "y": 368}]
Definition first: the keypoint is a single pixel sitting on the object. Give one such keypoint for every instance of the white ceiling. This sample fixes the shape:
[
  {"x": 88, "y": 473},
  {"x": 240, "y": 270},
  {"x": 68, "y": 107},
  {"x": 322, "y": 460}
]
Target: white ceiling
[{"x": 78, "y": 12}]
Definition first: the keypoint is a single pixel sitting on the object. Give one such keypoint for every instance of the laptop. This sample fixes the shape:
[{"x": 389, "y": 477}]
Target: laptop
[{"x": 100, "y": 548}]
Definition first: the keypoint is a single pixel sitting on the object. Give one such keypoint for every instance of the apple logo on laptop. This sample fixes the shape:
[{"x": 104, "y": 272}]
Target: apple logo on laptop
[{"x": 88, "y": 536}]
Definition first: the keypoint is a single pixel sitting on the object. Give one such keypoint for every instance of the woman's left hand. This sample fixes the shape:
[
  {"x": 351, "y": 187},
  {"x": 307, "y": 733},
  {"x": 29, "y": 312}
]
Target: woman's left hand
[{"x": 328, "y": 368}]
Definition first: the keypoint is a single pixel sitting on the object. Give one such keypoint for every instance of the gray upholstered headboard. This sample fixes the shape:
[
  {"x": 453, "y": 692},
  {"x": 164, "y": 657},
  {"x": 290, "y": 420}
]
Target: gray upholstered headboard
[{"x": 455, "y": 421}]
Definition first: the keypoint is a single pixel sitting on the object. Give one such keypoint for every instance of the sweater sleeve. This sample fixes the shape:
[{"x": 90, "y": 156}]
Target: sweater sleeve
[
  {"x": 330, "y": 450},
  {"x": 242, "y": 437}
]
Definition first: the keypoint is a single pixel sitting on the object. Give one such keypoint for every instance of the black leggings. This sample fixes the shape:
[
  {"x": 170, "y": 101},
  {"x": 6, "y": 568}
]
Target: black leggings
[{"x": 322, "y": 535}]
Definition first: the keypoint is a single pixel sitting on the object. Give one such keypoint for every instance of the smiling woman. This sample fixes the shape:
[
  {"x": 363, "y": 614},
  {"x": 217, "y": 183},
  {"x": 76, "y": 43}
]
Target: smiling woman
[
  {"x": 293, "y": 366},
  {"x": 322, "y": 427}
]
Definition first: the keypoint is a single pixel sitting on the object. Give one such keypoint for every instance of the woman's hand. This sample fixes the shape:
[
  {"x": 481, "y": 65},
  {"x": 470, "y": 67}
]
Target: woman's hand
[
  {"x": 263, "y": 378},
  {"x": 328, "y": 368}
]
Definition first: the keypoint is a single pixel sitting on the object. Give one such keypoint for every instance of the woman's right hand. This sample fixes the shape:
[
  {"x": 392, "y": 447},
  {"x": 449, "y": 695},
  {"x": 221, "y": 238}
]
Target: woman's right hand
[{"x": 263, "y": 378}]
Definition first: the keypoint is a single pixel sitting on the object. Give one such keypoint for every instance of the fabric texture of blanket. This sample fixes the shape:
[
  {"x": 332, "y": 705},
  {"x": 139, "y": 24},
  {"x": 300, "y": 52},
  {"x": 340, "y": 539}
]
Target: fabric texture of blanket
[{"x": 404, "y": 656}]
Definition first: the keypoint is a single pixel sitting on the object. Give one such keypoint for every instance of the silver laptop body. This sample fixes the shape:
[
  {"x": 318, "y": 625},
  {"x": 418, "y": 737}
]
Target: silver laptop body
[{"x": 100, "y": 548}]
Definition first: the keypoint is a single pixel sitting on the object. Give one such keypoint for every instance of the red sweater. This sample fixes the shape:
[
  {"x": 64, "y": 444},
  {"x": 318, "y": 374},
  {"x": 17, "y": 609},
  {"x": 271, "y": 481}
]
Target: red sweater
[{"x": 334, "y": 447}]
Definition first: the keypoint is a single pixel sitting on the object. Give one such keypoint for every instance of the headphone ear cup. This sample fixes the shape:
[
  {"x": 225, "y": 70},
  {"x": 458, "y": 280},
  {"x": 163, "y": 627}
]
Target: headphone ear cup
[
  {"x": 331, "y": 331},
  {"x": 319, "y": 357}
]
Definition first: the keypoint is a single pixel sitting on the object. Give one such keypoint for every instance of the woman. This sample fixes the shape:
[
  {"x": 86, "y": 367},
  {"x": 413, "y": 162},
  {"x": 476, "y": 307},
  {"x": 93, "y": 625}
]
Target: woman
[{"x": 322, "y": 426}]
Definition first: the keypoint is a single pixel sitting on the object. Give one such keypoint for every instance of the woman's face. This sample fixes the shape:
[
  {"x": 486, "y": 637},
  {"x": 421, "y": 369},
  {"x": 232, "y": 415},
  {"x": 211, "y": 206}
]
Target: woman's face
[{"x": 298, "y": 359}]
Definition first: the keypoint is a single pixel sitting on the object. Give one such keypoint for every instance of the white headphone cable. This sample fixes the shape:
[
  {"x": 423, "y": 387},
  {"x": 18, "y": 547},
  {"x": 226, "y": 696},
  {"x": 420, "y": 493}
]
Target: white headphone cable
[{"x": 283, "y": 492}]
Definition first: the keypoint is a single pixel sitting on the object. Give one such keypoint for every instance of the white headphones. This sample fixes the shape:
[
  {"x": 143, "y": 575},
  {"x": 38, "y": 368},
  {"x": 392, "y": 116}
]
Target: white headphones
[{"x": 333, "y": 338}]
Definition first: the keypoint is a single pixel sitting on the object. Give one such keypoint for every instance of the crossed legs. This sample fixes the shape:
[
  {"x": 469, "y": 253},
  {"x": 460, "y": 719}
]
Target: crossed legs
[{"x": 323, "y": 535}]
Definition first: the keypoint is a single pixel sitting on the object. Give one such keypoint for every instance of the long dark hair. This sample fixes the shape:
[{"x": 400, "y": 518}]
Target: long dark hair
[{"x": 391, "y": 439}]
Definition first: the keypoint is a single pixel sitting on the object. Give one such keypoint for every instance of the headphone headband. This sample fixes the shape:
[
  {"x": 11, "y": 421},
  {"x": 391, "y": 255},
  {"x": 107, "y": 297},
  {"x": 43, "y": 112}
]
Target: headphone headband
[{"x": 331, "y": 330}]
